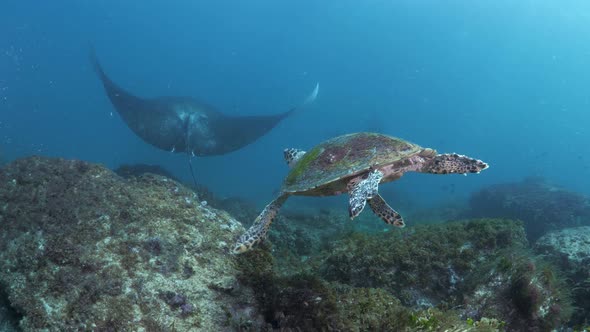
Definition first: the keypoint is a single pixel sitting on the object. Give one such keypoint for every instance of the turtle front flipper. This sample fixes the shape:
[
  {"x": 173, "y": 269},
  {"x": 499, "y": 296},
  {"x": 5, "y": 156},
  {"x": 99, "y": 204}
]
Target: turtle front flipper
[
  {"x": 385, "y": 212},
  {"x": 452, "y": 163},
  {"x": 257, "y": 232},
  {"x": 362, "y": 189}
]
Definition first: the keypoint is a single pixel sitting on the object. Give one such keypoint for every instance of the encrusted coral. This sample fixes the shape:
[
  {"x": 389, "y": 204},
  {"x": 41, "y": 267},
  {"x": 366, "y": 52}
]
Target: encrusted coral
[{"x": 80, "y": 249}]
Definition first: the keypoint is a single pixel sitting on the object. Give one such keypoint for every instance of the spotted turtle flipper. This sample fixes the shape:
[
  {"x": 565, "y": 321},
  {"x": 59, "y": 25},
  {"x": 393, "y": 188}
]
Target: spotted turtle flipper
[
  {"x": 257, "y": 232},
  {"x": 362, "y": 189},
  {"x": 385, "y": 212}
]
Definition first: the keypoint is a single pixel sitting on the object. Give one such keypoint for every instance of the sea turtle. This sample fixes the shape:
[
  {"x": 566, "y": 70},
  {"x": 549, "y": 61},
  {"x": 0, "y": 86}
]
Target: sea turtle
[{"x": 355, "y": 164}]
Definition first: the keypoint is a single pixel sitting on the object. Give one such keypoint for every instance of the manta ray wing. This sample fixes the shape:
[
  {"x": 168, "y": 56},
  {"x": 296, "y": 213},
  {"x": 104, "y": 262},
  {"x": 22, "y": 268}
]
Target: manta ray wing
[{"x": 181, "y": 124}]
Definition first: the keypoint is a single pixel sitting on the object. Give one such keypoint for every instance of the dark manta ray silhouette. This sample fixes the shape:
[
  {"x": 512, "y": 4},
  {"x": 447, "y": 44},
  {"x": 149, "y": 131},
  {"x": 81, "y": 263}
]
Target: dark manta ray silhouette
[{"x": 183, "y": 124}]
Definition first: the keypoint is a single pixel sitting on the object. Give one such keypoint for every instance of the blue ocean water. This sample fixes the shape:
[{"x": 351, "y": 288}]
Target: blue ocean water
[{"x": 503, "y": 81}]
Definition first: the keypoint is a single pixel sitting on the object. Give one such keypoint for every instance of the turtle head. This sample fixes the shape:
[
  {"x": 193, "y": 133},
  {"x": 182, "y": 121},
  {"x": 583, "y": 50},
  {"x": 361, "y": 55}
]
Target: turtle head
[{"x": 452, "y": 163}]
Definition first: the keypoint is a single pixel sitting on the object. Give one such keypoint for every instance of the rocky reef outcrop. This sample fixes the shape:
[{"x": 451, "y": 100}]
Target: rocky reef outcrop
[
  {"x": 83, "y": 249},
  {"x": 542, "y": 207},
  {"x": 570, "y": 245},
  {"x": 474, "y": 275},
  {"x": 128, "y": 171},
  {"x": 480, "y": 268},
  {"x": 570, "y": 250}
]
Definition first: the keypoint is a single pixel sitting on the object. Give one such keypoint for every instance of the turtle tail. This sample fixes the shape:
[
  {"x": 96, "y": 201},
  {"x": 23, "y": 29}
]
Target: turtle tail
[{"x": 257, "y": 232}]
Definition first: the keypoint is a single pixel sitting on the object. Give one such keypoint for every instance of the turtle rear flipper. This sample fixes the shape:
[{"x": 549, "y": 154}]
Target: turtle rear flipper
[
  {"x": 385, "y": 212},
  {"x": 452, "y": 163},
  {"x": 362, "y": 189},
  {"x": 257, "y": 232}
]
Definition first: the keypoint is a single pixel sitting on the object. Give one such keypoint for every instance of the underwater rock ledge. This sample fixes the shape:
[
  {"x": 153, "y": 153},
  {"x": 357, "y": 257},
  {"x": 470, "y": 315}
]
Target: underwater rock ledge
[
  {"x": 480, "y": 268},
  {"x": 542, "y": 206},
  {"x": 569, "y": 248},
  {"x": 83, "y": 249}
]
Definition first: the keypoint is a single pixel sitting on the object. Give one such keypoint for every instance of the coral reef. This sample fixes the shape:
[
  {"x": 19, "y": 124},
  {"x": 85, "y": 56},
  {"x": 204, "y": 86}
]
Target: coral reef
[
  {"x": 80, "y": 249},
  {"x": 480, "y": 266},
  {"x": 423, "y": 264},
  {"x": 9, "y": 318},
  {"x": 136, "y": 170},
  {"x": 84, "y": 249},
  {"x": 572, "y": 245},
  {"x": 304, "y": 232},
  {"x": 305, "y": 302},
  {"x": 524, "y": 291},
  {"x": 570, "y": 250},
  {"x": 541, "y": 206},
  {"x": 300, "y": 233},
  {"x": 239, "y": 208}
]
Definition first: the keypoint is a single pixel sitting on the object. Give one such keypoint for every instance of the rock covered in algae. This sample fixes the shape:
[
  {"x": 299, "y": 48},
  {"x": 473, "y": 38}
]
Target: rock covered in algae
[
  {"x": 570, "y": 249},
  {"x": 542, "y": 207},
  {"x": 481, "y": 267},
  {"x": 571, "y": 244},
  {"x": 83, "y": 249}
]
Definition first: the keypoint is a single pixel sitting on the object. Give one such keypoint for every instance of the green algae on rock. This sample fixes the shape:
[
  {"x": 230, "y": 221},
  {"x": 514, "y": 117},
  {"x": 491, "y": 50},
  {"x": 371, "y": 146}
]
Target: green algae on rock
[
  {"x": 480, "y": 266},
  {"x": 305, "y": 302},
  {"x": 82, "y": 249},
  {"x": 539, "y": 204},
  {"x": 572, "y": 244},
  {"x": 422, "y": 263},
  {"x": 570, "y": 249}
]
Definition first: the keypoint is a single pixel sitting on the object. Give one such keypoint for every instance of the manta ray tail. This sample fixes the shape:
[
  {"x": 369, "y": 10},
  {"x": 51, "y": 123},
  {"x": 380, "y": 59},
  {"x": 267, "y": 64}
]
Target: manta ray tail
[{"x": 190, "y": 165}]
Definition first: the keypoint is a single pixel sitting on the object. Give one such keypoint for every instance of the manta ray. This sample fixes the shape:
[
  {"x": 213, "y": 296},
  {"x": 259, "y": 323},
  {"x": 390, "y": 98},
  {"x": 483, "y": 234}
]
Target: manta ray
[{"x": 186, "y": 125}]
